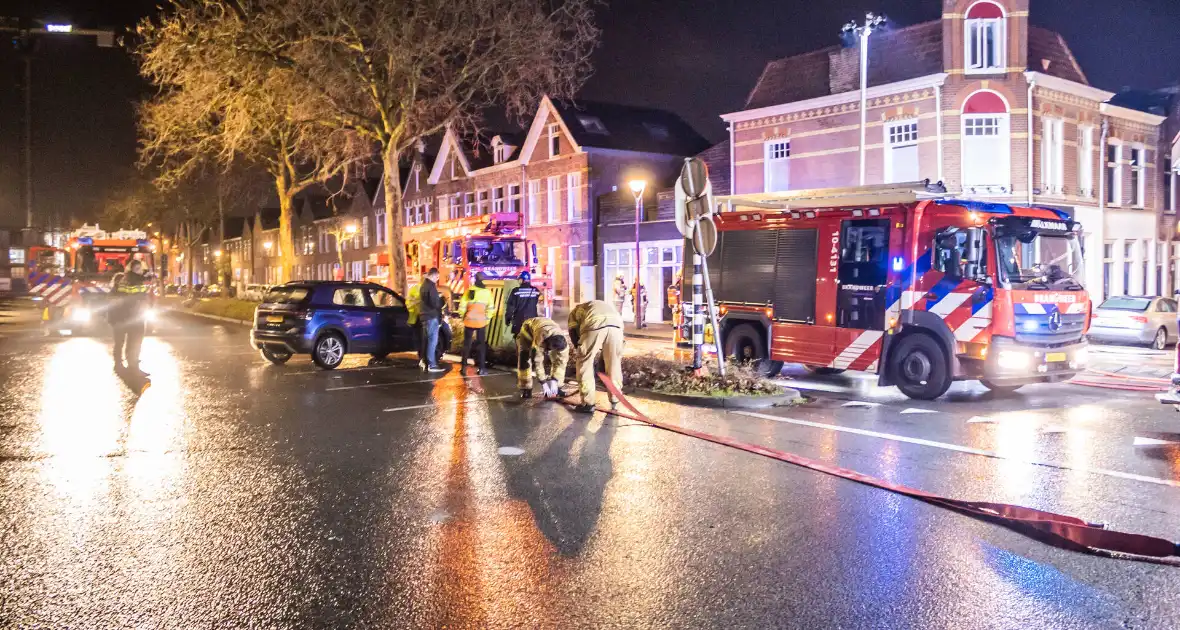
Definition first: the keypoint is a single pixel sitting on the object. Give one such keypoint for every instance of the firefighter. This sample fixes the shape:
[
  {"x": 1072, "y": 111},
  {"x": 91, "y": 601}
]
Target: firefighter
[
  {"x": 522, "y": 303},
  {"x": 477, "y": 309},
  {"x": 641, "y": 300},
  {"x": 620, "y": 292},
  {"x": 414, "y": 306},
  {"x": 541, "y": 338},
  {"x": 126, "y": 316},
  {"x": 596, "y": 327}
]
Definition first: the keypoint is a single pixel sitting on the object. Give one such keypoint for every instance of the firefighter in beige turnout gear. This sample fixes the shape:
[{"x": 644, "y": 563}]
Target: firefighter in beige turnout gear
[
  {"x": 596, "y": 327},
  {"x": 539, "y": 339}
]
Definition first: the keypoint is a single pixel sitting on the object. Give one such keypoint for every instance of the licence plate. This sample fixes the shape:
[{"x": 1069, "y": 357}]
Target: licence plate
[
  {"x": 274, "y": 319},
  {"x": 1055, "y": 357}
]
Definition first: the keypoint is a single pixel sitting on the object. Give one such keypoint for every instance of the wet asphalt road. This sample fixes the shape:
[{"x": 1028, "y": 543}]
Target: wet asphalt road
[{"x": 235, "y": 493}]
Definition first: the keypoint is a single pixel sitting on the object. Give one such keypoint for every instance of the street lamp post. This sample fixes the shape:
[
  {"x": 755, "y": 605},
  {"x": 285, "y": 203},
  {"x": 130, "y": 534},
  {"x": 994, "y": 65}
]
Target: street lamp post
[
  {"x": 863, "y": 31},
  {"x": 637, "y": 187}
]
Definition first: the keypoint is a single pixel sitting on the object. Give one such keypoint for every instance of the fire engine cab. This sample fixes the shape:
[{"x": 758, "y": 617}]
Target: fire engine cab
[
  {"x": 900, "y": 281},
  {"x": 460, "y": 248}
]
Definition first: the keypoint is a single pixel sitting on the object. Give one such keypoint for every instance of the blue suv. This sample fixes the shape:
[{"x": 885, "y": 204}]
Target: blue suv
[{"x": 329, "y": 320}]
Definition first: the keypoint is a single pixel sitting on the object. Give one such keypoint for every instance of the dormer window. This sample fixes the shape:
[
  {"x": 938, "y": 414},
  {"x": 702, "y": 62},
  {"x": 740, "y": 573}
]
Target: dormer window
[
  {"x": 986, "y": 38},
  {"x": 593, "y": 124},
  {"x": 500, "y": 151},
  {"x": 554, "y": 140}
]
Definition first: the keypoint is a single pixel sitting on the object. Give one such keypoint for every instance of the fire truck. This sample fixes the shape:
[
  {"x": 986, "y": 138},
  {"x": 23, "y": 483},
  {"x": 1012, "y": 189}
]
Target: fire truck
[
  {"x": 903, "y": 282},
  {"x": 460, "y": 248},
  {"x": 75, "y": 297}
]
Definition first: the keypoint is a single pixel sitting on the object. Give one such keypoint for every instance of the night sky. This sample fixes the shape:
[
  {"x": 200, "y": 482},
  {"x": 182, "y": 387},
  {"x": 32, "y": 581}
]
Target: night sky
[{"x": 698, "y": 58}]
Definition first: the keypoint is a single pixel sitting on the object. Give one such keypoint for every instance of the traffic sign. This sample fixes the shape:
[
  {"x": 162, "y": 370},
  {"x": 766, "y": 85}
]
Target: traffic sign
[
  {"x": 684, "y": 223},
  {"x": 694, "y": 177},
  {"x": 705, "y": 238}
]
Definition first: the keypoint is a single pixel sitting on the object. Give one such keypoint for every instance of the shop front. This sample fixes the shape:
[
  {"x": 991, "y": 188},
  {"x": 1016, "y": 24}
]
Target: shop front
[{"x": 659, "y": 264}]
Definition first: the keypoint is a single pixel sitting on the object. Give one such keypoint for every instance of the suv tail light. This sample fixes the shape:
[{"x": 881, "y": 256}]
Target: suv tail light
[{"x": 302, "y": 314}]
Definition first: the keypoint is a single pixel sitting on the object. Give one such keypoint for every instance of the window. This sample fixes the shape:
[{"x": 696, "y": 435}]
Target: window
[
  {"x": 534, "y": 201},
  {"x": 384, "y": 298},
  {"x": 349, "y": 297},
  {"x": 985, "y": 38},
  {"x": 482, "y": 206},
  {"x": 427, "y": 216},
  {"x": 456, "y": 206},
  {"x": 417, "y": 171},
  {"x": 778, "y": 165},
  {"x": 986, "y": 151},
  {"x": 380, "y": 227},
  {"x": 554, "y": 140},
  {"x": 16, "y": 256},
  {"x": 500, "y": 152},
  {"x": 1052, "y": 156},
  {"x": 444, "y": 209},
  {"x": 497, "y": 200},
  {"x": 1169, "y": 186},
  {"x": 1128, "y": 257},
  {"x": 1086, "y": 162},
  {"x": 1114, "y": 174},
  {"x": 574, "y": 196},
  {"x": 593, "y": 124},
  {"x": 1107, "y": 266},
  {"x": 468, "y": 205},
  {"x": 409, "y": 215},
  {"x": 420, "y": 212},
  {"x": 1161, "y": 260},
  {"x": 553, "y": 198},
  {"x": 1138, "y": 180},
  {"x": 901, "y": 153},
  {"x": 514, "y": 198}
]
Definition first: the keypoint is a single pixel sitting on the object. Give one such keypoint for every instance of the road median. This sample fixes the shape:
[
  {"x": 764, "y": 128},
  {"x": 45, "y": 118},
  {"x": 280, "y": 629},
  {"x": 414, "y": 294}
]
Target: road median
[{"x": 228, "y": 310}]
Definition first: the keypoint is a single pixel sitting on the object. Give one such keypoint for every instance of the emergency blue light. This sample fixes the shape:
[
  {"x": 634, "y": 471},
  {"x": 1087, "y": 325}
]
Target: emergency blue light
[
  {"x": 143, "y": 242},
  {"x": 898, "y": 263},
  {"x": 85, "y": 240}
]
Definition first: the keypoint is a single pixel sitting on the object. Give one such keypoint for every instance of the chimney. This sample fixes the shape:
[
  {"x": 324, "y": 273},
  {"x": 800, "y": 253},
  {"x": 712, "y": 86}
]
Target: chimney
[{"x": 844, "y": 70}]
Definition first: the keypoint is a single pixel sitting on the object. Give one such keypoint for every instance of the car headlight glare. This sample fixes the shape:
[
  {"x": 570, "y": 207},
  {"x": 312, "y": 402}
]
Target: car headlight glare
[
  {"x": 1081, "y": 356},
  {"x": 81, "y": 314},
  {"x": 150, "y": 315},
  {"x": 1013, "y": 360}
]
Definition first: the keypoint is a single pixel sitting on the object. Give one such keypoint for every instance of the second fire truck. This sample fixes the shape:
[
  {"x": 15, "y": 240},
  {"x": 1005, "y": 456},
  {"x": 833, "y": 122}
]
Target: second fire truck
[{"x": 901, "y": 282}]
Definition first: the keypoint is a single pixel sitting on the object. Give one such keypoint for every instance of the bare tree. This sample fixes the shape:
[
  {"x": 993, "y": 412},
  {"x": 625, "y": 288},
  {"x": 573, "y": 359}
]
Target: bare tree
[
  {"x": 225, "y": 96},
  {"x": 394, "y": 71}
]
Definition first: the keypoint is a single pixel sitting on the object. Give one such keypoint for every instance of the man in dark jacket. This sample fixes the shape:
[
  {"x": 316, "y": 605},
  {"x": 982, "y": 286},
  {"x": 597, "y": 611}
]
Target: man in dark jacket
[
  {"x": 126, "y": 315},
  {"x": 522, "y": 303},
  {"x": 430, "y": 314}
]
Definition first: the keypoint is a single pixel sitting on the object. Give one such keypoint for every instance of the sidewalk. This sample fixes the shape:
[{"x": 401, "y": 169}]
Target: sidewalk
[{"x": 658, "y": 331}]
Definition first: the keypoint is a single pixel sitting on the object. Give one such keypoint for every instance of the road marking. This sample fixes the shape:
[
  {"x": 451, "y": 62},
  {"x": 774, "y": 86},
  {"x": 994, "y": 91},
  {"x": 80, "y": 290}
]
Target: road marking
[
  {"x": 451, "y": 402},
  {"x": 981, "y": 419},
  {"x": 918, "y": 410},
  {"x": 510, "y": 451},
  {"x": 1142, "y": 441},
  {"x": 861, "y": 403},
  {"x": 963, "y": 449},
  {"x": 425, "y": 380}
]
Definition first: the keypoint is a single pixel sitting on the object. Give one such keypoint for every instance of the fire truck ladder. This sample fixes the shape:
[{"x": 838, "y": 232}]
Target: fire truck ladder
[{"x": 876, "y": 195}]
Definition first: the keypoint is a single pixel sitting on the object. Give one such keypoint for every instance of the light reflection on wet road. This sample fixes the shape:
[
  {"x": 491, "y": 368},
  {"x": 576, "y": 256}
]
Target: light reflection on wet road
[{"x": 238, "y": 493}]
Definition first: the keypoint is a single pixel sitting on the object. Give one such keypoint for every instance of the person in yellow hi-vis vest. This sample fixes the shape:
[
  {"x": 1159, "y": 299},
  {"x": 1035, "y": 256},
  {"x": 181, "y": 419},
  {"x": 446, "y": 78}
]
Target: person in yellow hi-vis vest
[
  {"x": 477, "y": 309},
  {"x": 541, "y": 338},
  {"x": 414, "y": 306},
  {"x": 596, "y": 327}
]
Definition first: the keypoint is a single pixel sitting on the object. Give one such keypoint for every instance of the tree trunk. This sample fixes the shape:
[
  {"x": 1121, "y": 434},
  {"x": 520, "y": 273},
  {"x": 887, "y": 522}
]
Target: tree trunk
[
  {"x": 285, "y": 246},
  {"x": 393, "y": 221}
]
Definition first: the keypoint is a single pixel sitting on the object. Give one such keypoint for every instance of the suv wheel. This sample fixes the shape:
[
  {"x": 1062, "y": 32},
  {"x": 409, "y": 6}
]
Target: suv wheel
[
  {"x": 278, "y": 357},
  {"x": 328, "y": 352}
]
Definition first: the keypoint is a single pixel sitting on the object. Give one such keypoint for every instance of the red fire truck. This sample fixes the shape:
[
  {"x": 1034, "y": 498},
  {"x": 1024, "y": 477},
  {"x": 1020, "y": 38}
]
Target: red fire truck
[
  {"x": 902, "y": 282},
  {"x": 460, "y": 248}
]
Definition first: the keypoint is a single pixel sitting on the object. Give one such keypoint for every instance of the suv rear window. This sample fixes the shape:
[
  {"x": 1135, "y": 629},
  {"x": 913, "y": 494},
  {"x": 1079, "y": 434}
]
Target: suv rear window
[
  {"x": 1126, "y": 304},
  {"x": 287, "y": 295}
]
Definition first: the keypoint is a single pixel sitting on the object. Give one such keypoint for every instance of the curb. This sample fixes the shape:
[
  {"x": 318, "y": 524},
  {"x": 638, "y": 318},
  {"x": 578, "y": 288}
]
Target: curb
[
  {"x": 735, "y": 402},
  {"x": 228, "y": 320},
  {"x": 648, "y": 337}
]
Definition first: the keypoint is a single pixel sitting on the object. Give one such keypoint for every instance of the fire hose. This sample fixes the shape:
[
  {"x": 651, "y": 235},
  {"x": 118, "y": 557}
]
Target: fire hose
[
  {"x": 1057, "y": 530},
  {"x": 1124, "y": 382}
]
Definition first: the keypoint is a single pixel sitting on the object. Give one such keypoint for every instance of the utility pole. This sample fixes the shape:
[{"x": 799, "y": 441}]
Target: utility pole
[{"x": 862, "y": 32}]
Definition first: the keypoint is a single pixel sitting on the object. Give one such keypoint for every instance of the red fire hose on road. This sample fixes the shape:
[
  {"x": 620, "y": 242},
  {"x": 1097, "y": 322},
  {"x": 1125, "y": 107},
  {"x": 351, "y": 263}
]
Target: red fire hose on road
[
  {"x": 1124, "y": 382},
  {"x": 1058, "y": 530}
]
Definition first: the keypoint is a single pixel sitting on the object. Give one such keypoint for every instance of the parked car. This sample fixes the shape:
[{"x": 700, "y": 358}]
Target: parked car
[
  {"x": 255, "y": 292},
  {"x": 1135, "y": 320},
  {"x": 329, "y": 320}
]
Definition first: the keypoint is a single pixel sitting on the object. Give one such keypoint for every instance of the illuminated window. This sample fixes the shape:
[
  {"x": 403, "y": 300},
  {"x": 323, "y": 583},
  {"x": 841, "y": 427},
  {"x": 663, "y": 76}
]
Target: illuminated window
[
  {"x": 985, "y": 38},
  {"x": 901, "y": 152},
  {"x": 778, "y": 165}
]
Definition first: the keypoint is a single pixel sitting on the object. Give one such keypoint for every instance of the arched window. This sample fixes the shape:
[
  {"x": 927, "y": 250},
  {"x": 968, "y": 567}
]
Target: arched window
[
  {"x": 985, "y": 39},
  {"x": 987, "y": 144}
]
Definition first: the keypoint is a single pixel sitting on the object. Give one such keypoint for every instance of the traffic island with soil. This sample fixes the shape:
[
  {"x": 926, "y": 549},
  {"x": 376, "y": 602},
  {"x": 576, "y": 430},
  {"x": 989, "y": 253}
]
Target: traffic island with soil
[{"x": 741, "y": 388}]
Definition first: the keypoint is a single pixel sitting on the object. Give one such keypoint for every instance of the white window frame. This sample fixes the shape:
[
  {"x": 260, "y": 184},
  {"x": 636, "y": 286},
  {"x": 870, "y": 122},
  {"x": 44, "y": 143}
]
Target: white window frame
[
  {"x": 776, "y": 152},
  {"x": 534, "y": 217},
  {"x": 899, "y": 134},
  {"x": 574, "y": 196},
  {"x": 468, "y": 204},
  {"x": 380, "y": 225},
  {"x": 481, "y": 201},
  {"x": 1139, "y": 187},
  {"x": 498, "y": 199},
  {"x": 1052, "y": 156},
  {"x": 1114, "y": 192},
  {"x": 1086, "y": 161},
  {"x": 552, "y": 199},
  {"x": 514, "y": 198},
  {"x": 1003, "y": 128},
  {"x": 456, "y": 206},
  {"x": 998, "y": 28},
  {"x": 554, "y": 132},
  {"x": 365, "y": 232}
]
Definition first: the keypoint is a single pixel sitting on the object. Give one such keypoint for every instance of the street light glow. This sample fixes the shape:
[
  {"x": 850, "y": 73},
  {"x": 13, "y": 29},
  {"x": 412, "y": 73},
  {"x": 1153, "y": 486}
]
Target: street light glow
[
  {"x": 267, "y": 245},
  {"x": 637, "y": 186},
  {"x": 217, "y": 253},
  {"x": 350, "y": 229},
  {"x": 59, "y": 28}
]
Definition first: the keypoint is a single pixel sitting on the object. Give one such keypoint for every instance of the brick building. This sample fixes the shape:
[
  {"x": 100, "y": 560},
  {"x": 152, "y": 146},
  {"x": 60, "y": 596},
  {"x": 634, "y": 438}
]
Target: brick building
[
  {"x": 549, "y": 175},
  {"x": 997, "y": 109}
]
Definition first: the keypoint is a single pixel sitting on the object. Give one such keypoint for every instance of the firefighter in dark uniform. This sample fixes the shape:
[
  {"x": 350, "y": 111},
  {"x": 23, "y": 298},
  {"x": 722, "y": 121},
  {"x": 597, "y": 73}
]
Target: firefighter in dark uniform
[
  {"x": 522, "y": 303},
  {"x": 129, "y": 292}
]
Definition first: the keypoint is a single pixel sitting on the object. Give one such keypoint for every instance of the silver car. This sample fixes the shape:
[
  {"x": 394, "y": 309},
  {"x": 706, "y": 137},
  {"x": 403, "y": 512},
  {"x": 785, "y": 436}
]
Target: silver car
[{"x": 1135, "y": 320}]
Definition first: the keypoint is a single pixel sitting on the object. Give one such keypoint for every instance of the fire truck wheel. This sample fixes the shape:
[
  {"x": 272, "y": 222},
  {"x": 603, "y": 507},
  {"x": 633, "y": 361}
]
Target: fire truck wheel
[
  {"x": 919, "y": 367},
  {"x": 744, "y": 345},
  {"x": 276, "y": 357},
  {"x": 329, "y": 351},
  {"x": 999, "y": 389}
]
